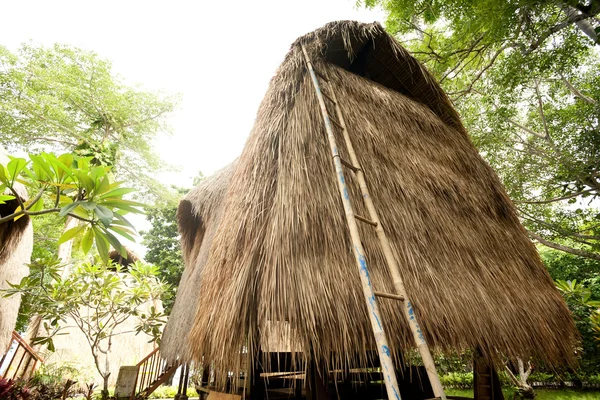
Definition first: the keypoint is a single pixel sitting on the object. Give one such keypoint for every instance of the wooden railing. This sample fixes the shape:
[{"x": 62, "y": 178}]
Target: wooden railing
[
  {"x": 20, "y": 360},
  {"x": 153, "y": 371}
]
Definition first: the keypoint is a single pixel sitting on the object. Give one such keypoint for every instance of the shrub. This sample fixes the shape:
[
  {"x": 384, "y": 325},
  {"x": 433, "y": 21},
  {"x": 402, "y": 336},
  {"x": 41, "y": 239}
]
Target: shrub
[
  {"x": 169, "y": 392},
  {"x": 457, "y": 380}
]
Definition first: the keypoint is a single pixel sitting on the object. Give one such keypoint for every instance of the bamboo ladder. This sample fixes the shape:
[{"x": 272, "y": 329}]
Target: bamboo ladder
[{"x": 359, "y": 254}]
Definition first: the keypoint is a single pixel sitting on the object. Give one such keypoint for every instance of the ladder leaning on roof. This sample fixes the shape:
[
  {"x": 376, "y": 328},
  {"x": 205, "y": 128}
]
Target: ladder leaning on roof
[{"x": 359, "y": 254}]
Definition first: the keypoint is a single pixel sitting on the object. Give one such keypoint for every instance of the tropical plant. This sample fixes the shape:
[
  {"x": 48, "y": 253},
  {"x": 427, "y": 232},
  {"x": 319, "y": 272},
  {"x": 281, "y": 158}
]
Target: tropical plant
[
  {"x": 97, "y": 299},
  {"x": 71, "y": 186}
]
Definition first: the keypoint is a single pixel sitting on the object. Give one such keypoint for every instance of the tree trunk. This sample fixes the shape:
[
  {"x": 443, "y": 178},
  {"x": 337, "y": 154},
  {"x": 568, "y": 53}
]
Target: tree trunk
[{"x": 583, "y": 25}]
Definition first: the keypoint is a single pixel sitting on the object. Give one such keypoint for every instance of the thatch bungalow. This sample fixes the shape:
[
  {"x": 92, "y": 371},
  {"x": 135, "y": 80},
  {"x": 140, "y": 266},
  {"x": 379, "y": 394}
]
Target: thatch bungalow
[
  {"x": 267, "y": 249},
  {"x": 16, "y": 245}
]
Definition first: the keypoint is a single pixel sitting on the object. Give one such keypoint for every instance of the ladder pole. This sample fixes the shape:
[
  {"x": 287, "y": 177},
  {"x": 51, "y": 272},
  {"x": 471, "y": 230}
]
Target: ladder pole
[
  {"x": 383, "y": 349},
  {"x": 391, "y": 260}
]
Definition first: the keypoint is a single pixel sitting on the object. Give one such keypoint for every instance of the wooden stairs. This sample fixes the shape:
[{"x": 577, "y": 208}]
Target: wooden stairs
[
  {"x": 19, "y": 360},
  {"x": 152, "y": 372}
]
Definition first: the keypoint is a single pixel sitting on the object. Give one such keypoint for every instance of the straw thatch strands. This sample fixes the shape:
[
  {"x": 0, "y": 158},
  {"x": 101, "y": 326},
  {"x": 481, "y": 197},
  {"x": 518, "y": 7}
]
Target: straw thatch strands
[
  {"x": 199, "y": 215},
  {"x": 16, "y": 245},
  {"x": 266, "y": 241}
]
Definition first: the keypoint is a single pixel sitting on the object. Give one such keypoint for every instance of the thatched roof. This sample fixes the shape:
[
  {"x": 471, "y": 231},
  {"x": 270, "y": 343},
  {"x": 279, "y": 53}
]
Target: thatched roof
[
  {"x": 116, "y": 257},
  {"x": 198, "y": 215},
  {"x": 16, "y": 245},
  {"x": 279, "y": 248}
]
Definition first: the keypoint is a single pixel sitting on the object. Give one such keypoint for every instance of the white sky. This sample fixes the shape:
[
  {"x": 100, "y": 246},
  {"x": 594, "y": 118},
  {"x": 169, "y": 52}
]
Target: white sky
[{"x": 219, "y": 55}]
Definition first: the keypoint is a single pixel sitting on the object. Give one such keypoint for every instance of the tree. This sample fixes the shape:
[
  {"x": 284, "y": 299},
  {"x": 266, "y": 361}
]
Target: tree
[
  {"x": 162, "y": 242},
  {"x": 71, "y": 186},
  {"x": 98, "y": 298},
  {"x": 164, "y": 251},
  {"x": 525, "y": 76},
  {"x": 67, "y": 99},
  {"x": 585, "y": 309}
]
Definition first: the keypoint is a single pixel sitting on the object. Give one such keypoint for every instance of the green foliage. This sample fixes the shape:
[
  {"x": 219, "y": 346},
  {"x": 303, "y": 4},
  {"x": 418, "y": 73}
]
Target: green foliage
[
  {"x": 66, "y": 99},
  {"x": 525, "y": 76},
  {"x": 169, "y": 392},
  {"x": 99, "y": 298},
  {"x": 457, "y": 380},
  {"x": 162, "y": 242},
  {"x": 164, "y": 251},
  {"x": 584, "y": 309},
  {"x": 542, "y": 394},
  {"x": 72, "y": 186}
]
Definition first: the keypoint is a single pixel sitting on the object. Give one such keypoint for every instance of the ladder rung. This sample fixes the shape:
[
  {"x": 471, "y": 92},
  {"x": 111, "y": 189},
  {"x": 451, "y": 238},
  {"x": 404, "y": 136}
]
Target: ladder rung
[
  {"x": 389, "y": 296},
  {"x": 336, "y": 123},
  {"x": 365, "y": 220},
  {"x": 328, "y": 98},
  {"x": 320, "y": 75},
  {"x": 347, "y": 164}
]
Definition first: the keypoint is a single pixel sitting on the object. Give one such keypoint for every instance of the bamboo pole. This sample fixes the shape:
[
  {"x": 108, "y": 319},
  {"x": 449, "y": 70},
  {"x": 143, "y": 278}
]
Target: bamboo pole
[
  {"x": 387, "y": 365},
  {"x": 391, "y": 260}
]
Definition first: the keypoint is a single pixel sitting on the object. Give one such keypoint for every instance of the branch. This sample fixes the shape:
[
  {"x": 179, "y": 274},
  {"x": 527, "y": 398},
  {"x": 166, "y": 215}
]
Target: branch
[
  {"x": 577, "y": 93},
  {"x": 526, "y": 129},
  {"x": 42, "y": 212},
  {"x": 542, "y": 115},
  {"x": 554, "y": 200},
  {"x": 480, "y": 73},
  {"x": 44, "y": 139},
  {"x": 585, "y": 26},
  {"x": 571, "y": 19},
  {"x": 566, "y": 249}
]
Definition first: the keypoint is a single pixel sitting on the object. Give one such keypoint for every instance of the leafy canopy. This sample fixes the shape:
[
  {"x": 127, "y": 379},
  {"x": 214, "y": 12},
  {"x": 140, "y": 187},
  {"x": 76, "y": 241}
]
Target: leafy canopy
[
  {"x": 525, "y": 76},
  {"x": 65, "y": 99},
  {"x": 97, "y": 298}
]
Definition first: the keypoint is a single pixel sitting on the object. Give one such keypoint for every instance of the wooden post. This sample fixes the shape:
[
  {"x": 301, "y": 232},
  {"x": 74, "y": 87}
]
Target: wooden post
[
  {"x": 180, "y": 383},
  {"x": 485, "y": 379},
  {"x": 257, "y": 386},
  {"x": 317, "y": 382},
  {"x": 186, "y": 375}
]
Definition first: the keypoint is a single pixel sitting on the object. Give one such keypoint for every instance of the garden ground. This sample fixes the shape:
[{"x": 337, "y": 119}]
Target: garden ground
[{"x": 542, "y": 394}]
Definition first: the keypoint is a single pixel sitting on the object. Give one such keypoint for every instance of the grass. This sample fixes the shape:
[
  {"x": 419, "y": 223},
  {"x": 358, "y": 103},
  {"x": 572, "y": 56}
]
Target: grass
[{"x": 542, "y": 394}]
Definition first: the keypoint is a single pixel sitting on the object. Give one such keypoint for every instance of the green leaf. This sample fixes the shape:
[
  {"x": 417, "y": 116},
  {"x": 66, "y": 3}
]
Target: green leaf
[
  {"x": 126, "y": 233},
  {"x": 68, "y": 235},
  {"x": 104, "y": 185},
  {"x": 116, "y": 244},
  {"x": 122, "y": 205},
  {"x": 41, "y": 168},
  {"x": 118, "y": 193},
  {"x": 68, "y": 208},
  {"x": 38, "y": 206},
  {"x": 15, "y": 166},
  {"x": 104, "y": 214},
  {"x": 3, "y": 174},
  {"x": 101, "y": 244},
  {"x": 87, "y": 240},
  {"x": 88, "y": 205}
]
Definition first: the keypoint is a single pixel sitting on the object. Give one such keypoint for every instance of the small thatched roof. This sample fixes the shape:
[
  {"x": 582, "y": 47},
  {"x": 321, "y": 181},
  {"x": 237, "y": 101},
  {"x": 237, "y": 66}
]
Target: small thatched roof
[
  {"x": 116, "y": 257},
  {"x": 16, "y": 245},
  {"x": 198, "y": 215},
  {"x": 279, "y": 249}
]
